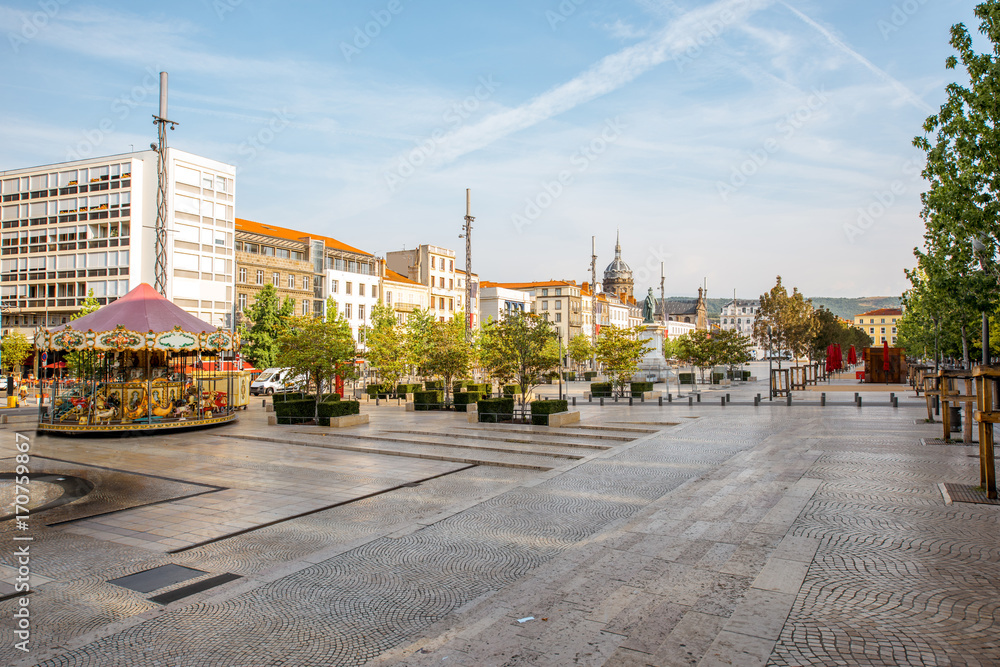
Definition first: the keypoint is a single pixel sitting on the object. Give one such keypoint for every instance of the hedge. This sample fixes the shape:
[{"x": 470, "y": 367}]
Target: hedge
[
  {"x": 511, "y": 389},
  {"x": 303, "y": 410},
  {"x": 569, "y": 376},
  {"x": 428, "y": 400},
  {"x": 458, "y": 385},
  {"x": 404, "y": 389},
  {"x": 299, "y": 396},
  {"x": 484, "y": 390},
  {"x": 600, "y": 389},
  {"x": 464, "y": 398},
  {"x": 638, "y": 388},
  {"x": 493, "y": 410},
  {"x": 589, "y": 375},
  {"x": 434, "y": 385},
  {"x": 378, "y": 389},
  {"x": 717, "y": 377},
  {"x": 739, "y": 375},
  {"x": 686, "y": 378},
  {"x": 540, "y": 410}
]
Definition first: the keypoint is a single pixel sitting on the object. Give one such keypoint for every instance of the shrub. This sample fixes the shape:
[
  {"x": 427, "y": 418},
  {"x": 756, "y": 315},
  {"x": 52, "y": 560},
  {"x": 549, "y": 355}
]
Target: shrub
[
  {"x": 540, "y": 410},
  {"x": 458, "y": 385},
  {"x": 294, "y": 396},
  {"x": 296, "y": 411},
  {"x": 484, "y": 390},
  {"x": 569, "y": 376},
  {"x": 717, "y": 377},
  {"x": 378, "y": 389},
  {"x": 511, "y": 389},
  {"x": 463, "y": 399},
  {"x": 404, "y": 389},
  {"x": 493, "y": 410},
  {"x": 434, "y": 385},
  {"x": 328, "y": 409},
  {"x": 638, "y": 388},
  {"x": 686, "y": 378},
  {"x": 589, "y": 375},
  {"x": 428, "y": 400},
  {"x": 600, "y": 389}
]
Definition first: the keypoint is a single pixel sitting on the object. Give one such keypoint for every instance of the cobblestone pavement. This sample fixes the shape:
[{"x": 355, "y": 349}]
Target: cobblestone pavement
[{"x": 690, "y": 535}]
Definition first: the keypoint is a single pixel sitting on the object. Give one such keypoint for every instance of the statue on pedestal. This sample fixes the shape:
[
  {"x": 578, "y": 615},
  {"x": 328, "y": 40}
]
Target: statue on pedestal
[{"x": 648, "y": 307}]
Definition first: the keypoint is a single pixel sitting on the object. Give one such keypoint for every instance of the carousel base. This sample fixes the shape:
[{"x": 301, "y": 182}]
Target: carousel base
[{"x": 134, "y": 428}]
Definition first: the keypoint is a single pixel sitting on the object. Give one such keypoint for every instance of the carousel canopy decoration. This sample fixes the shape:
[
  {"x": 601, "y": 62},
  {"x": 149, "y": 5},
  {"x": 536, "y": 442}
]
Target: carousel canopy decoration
[{"x": 140, "y": 320}]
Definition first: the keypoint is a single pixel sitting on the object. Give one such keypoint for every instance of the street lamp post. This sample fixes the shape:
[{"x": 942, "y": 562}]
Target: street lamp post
[
  {"x": 770, "y": 364},
  {"x": 979, "y": 249},
  {"x": 559, "y": 333}
]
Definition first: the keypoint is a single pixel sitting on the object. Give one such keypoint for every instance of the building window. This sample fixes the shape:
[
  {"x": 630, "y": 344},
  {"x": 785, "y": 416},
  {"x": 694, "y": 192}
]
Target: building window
[
  {"x": 451, "y": 283},
  {"x": 388, "y": 298},
  {"x": 241, "y": 302},
  {"x": 260, "y": 277},
  {"x": 545, "y": 292},
  {"x": 347, "y": 311},
  {"x": 558, "y": 317},
  {"x": 243, "y": 275},
  {"x": 305, "y": 282},
  {"x": 559, "y": 291},
  {"x": 361, "y": 335},
  {"x": 545, "y": 304},
  {"x": 333, "y": 287},
  {"x": 451, "y": 304},
  {"x": 291, "y": 281},
  {"x": 361, "y": 290},
  {"x": 305, "y": 307},
  {"x": 558, "y": 304},
  {"x": 871, "y": 330},
  {"x": 275, "y": 278},
  {"x": 441, "y": 303},
  {"x": 441, "y": 282},
  {"x": 433, "y": 262},
  {"x": 347, "y": 287},
  {"x": 451, "y": 265},
  {"x": 894, "y": 330},
  {"x": 361, "y": 312},
  {"x": 883, "y": 331}
]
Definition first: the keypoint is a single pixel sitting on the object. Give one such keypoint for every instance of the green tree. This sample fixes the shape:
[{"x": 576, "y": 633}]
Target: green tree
[
  {"x": 80, "y": 363},
  {"x": 733, "y": 348},
  {"x": 386, "y": 344},
  {"x": 699, "y": 349},
  {"x": 450, "y": 352},
  {"x": 962, "y": 202},
  {"x": 580, "y": 349},
  {"x": 619, "y": 349},
  {"x": 319, "y": 350},
  {"x": 270, "y": 320},
  {"x": 671, "y": 348},
  {"x": 519, "y": 347},
  {"x": 16, "y": 348},
  {"x": 417, "y": 340},
  {"x": 789, "y": 319}
]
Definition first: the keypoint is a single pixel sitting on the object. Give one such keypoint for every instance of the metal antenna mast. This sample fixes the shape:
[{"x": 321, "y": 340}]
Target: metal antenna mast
[
  {"x": 468, "y": 262},
  {"x": 161, "y": 122},
  {"x": 593, "y": 287},
  {"x": 663, "y": 308}
]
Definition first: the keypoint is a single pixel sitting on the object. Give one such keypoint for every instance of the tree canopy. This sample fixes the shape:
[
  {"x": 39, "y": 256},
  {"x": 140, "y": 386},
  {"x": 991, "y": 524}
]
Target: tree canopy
[
  {"x": 520, "y": 347},
  {"x": 318, "y": 349},
  {"x": 620, "y": 349},
  {"x": 386, "y": 345},
  {"x": 789, "y": 318},
  {"x": 270, "y": 320}
]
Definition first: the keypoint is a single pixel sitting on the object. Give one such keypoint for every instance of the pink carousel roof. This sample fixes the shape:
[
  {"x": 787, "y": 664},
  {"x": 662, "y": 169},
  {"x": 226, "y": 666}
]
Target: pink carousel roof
[{"x": 143, "y": 309}]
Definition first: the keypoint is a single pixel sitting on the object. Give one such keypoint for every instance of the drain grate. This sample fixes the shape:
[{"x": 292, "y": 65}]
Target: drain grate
[
  {"x": 191, "y": 589},
  {"x": 156, "y": 578}
]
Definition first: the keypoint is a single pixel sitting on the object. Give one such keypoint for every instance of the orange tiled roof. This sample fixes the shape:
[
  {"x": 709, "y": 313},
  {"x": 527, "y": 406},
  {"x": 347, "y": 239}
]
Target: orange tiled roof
[
  {"x": 399, "y": 278},
  {"x": 881, "y": 311},
  {"x": 543, "y": 283},
  {"x": 292, "y": 235}
]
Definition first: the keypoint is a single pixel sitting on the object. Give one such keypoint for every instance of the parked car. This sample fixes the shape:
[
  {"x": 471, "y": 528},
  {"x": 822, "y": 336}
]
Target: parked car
[{"x": 275, "y": 380}]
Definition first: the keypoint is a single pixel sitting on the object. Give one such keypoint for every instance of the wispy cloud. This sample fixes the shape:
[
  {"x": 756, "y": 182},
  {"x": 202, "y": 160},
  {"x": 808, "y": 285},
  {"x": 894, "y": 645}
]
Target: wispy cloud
[{"x": 903, "y": 91}]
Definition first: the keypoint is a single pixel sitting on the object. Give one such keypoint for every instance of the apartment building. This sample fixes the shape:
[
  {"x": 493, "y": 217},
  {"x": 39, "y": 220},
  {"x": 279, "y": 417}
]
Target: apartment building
[
  {"x": 433, "y": 267},
  {"x": 402, "y": 294},
  {"x": 880, "y": 324},
  {"x": 72, "y": 227},
  {"x": 558, "y": 301},
  {"x": 497, "y": 302}
]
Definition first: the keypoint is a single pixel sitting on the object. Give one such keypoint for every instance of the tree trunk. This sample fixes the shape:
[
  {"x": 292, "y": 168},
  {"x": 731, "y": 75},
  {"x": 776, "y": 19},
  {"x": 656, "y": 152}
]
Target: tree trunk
[{"x": 965, "y": 348}]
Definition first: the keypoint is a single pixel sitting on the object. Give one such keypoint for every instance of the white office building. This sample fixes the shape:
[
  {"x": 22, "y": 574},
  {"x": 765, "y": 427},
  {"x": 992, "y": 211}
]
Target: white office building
[
  {"x": 84, "y": 225},
  {"x": 497, "y": 302}
]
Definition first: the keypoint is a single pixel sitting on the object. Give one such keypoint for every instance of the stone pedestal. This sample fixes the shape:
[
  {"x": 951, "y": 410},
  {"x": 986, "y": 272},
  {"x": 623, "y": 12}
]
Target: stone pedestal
[{"x": 652, "y": 367}]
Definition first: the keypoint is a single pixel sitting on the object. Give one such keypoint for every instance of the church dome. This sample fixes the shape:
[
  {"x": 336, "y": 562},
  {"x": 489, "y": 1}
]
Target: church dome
[
  {"x": 618, "y": 270},
  {"x": 618, "y": 275}
]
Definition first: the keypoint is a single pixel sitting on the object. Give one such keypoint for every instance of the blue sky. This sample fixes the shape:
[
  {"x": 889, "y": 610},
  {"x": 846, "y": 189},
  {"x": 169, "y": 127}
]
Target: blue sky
[{"x": 731, "y": 140}]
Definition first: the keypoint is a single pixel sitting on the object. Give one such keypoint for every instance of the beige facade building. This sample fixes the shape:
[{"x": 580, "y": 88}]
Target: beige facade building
[
  {"x": 558, "y": 301},
  {"x": 880, "y": 324},
  {"x": 434, "y": 267},
  {"x": 402, "y": 294}
]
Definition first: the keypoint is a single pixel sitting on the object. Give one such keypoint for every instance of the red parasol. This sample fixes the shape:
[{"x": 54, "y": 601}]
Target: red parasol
[
  {"x": 852, "y": 356},
  {"x": 829, "y": 358},
  {"x": 57, "y": 364},
  {"x": 838, "y": 357}
]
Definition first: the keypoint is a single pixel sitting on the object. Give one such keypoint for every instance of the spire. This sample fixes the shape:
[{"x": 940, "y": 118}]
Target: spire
[{"x": 618, "y": 244}]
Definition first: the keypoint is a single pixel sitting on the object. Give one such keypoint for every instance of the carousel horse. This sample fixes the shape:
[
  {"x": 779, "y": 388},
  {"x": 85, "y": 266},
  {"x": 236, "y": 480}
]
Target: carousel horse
[
  {"x": 182, "y": 408},
  {"x": 105, "y": 408}
]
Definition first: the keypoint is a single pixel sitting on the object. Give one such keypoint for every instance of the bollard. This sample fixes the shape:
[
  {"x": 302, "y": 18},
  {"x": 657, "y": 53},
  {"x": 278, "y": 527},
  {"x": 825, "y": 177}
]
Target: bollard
[
  {"x": 590, "y": 398},
  {"x": 690, "y": 400},
  {"x": 263, "y": 403},
  {"x": 699, "y": 398},
  {"x": 756, "y": 401},
  {"x": 727, "y": 398},
  {"x": 892, "y": 395},
  {"x": 661, "y": 401},
  {"x": 856, "y": 394},
  {"x": 895, "y": 401},
  {"x": 602, "y": 401},
  {"x": 937, "y": 405},
  {"x": 723, "y": 399},
  {"x": 616, "y": 398},
  {"x": 822, "y": 399},
  {"x": 642, "y": 398},
  {"x": 788, "y": 398},
  {"x": 859, "y": 401},
  {"x": 670, "y": 398},
  {"x": 376, "y": 401},
  {"x": 630, "y": 401},
  {"x": 574, "y": 401}
]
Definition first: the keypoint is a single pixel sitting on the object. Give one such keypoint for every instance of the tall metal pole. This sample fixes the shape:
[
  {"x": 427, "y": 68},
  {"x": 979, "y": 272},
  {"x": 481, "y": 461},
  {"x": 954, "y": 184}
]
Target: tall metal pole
[
  {"x": 161, "y": 122},
  {"x": 593, "y": 298},
  {"x": 663, "y": 310},
  {"x": 468, "y": 263},
  {"x": 770, "y": 369}
]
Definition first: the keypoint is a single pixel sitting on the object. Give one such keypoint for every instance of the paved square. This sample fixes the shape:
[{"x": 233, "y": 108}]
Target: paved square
[{"x": 644, "y": 535}]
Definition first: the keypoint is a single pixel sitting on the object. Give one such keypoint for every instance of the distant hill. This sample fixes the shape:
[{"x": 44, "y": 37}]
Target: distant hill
[{"x": 843, "y": 307}]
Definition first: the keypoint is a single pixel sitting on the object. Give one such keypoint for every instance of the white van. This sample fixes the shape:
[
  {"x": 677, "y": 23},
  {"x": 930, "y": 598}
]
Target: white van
[{"x": 275, "y": 380}]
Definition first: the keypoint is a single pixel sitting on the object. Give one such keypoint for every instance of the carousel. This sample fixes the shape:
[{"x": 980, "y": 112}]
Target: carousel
[{"x": 141, "y": 364}]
